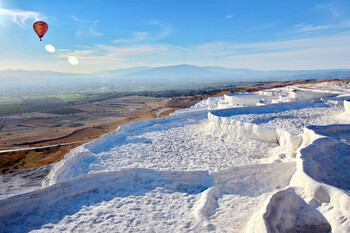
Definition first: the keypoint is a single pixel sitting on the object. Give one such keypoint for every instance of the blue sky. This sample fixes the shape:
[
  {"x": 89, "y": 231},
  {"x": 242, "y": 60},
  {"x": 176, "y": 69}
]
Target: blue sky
[{"x": 113, "y": 34}]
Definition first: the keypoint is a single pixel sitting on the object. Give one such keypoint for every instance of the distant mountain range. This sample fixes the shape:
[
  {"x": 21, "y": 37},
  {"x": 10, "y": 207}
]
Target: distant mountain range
[
  {"x": 166, "y": 77},
  {"x": 120, "y": 72},
  {"x": 179, "y": 72},
  {"x": 215, "y": 73},
  {"x": 37, "y": 74}
]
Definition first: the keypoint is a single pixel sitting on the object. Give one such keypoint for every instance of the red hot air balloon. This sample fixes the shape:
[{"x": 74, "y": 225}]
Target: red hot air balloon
[{"x": 40, "y": 28}]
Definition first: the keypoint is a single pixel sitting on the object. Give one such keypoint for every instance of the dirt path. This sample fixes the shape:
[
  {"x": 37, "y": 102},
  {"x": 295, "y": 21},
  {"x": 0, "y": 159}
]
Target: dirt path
[{"x": 16, "y": 149}]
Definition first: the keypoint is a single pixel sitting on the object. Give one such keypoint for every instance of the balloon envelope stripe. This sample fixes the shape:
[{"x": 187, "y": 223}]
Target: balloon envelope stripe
[{"x": 40, "y": 28}]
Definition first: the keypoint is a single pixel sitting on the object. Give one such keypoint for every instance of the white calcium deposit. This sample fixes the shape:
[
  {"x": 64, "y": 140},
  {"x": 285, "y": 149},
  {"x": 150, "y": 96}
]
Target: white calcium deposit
[{"x": 272, "y": 161}]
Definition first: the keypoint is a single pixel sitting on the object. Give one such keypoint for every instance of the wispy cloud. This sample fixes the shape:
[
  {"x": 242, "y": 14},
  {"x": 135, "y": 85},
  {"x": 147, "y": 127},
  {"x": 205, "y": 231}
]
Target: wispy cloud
[
  {"x": 301, "y": 59},
  {"x": 332, "y": 8},
  {"x": 260, "y": 27},
  {"x": 164, "y": 30},
  {"x": 135, "y": 37},
  {"x": 312, "y": 53},
  {"x": 229, "y": 16},
  {"x": 128, "y": 51},
  {"x": 309, "y": 28},
  {"x": 335, "y": 12},
  {"x": 21, "y": 17},
  {"x": 86, "y": 28},
  {"x": 277, "y": 46},
  {"x": 76, "y": 19},
  {"x": 110, "y": 54},
  {"x": 76, "y": 53}
]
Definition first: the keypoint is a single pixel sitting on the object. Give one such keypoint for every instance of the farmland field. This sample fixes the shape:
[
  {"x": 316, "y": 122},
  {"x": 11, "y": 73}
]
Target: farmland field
[{"x": 11, "y": 108}]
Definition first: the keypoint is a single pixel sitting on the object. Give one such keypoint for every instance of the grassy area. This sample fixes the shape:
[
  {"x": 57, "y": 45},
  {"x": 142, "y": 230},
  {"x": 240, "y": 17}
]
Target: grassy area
[
  {"x": 69, "y": 96},
  {"x": 63, "y": 97},
  {"x": 9, "y": 104},
  {"x": 10, "y": 99},
  {"x": 11, "y": 108}
]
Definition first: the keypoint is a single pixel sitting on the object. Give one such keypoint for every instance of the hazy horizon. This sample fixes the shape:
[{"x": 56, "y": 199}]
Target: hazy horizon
[{"x": 175, "y": 65}]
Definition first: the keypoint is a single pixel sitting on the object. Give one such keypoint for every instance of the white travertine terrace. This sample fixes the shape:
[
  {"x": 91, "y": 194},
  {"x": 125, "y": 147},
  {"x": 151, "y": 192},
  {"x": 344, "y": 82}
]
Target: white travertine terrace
[{"x": 273, "y": 161}]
